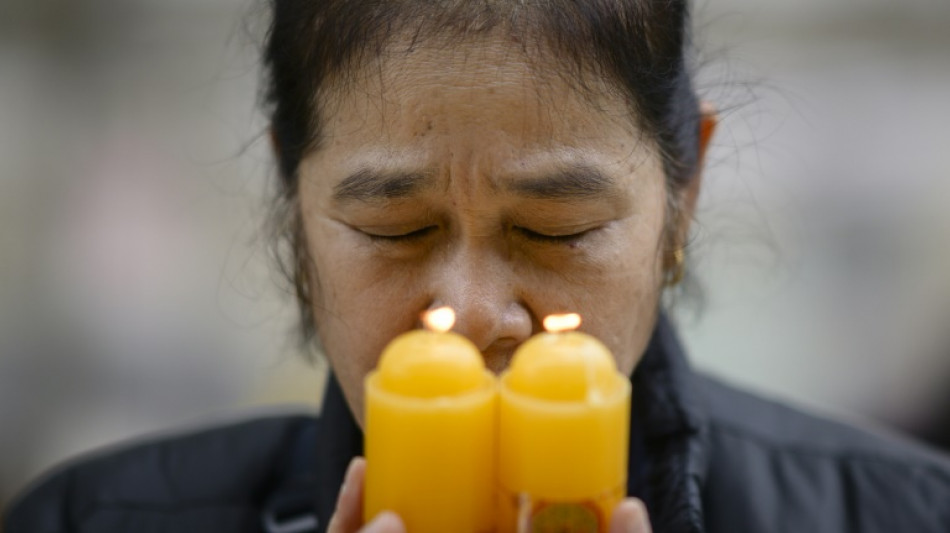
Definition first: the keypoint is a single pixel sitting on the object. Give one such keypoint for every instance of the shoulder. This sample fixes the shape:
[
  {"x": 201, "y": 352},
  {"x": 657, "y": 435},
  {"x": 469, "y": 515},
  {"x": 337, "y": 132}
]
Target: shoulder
[
  {"x": 219, "y": 471},
  {"x": 830, "y": 475}
]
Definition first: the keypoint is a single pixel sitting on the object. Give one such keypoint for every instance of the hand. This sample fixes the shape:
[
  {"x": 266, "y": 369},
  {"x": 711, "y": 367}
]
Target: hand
[
  {"x": 629, "y": 517},
  {"x": 348, "y": 516}
]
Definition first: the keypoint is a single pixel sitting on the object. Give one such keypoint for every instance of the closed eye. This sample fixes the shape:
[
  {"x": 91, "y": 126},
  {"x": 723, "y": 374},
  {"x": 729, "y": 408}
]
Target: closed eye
[
  {"x": 411, "y": 236},
  {"x": 551, "y": 238}
]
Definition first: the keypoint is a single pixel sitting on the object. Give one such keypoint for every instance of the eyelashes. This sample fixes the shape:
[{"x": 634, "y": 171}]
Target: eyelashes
[
  {"x": 410, "y": 237},
  {"x": 526, "y": 233},
  {"x": 545, "y": 238}
]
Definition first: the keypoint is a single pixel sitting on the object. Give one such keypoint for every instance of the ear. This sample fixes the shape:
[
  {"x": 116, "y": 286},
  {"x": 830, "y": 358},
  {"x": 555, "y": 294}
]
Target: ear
[{"x": 708, "y": 120}]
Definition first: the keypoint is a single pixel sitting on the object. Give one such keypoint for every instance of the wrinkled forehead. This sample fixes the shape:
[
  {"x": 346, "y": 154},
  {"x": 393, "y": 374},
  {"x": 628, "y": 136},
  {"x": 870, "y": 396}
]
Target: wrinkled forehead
[{"x": 489, "y": 87}]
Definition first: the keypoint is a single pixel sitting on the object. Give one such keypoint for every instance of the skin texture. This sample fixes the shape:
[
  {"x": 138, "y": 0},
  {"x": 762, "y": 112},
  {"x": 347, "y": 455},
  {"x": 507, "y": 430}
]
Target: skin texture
[
  {"x": 486, "y": 133},
  {"x": 478, "y": 180}
]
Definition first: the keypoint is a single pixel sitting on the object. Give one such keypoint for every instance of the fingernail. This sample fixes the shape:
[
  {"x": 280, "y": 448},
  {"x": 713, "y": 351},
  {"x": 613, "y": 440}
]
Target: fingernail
[
  {"x": 642, "y": 522},
  {"x": 386, "y": 521},
  {"x": 344, "y": 488},
  {"x": 349, "y": 474}
]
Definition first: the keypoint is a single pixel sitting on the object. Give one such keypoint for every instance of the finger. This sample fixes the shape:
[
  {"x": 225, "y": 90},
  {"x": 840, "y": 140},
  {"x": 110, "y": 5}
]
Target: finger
[
  {"x": 630, "y": 517},
  {"x": 385, "y": 522},
  {"x": 348, "y": 516}
]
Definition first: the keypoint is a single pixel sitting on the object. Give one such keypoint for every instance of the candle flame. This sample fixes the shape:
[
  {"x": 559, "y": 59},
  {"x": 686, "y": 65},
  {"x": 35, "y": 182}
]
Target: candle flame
[
  {"x": 441, "y": 319},
  {"x": 562, "y": 323}
]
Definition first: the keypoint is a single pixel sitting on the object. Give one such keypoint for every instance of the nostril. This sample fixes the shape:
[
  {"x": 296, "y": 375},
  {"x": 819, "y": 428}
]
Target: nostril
[
  {"x": 498, "y": 355},
  {"x": 503, "y": 344}
]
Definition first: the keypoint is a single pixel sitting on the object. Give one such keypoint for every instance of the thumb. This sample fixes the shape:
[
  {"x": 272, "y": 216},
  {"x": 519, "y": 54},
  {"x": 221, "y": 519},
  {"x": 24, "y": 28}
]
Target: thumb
[
  {"x": 348, "y": 516},
  {"x": 385, "y": 522},
  {"x": 630, "y": 517}
]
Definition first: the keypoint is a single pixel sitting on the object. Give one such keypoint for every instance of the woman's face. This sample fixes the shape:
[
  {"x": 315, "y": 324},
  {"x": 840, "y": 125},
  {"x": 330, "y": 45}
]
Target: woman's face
[{"x": 473, "y": 180}]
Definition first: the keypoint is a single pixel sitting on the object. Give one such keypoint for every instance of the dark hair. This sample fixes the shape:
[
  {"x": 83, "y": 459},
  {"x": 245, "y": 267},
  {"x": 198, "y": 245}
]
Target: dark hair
[{"x": 637, "y": 46}]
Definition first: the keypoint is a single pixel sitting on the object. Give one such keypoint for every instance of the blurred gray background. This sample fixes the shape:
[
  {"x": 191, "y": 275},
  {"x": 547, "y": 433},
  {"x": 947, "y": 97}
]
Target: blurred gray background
[{"x": 137, "y": 293}]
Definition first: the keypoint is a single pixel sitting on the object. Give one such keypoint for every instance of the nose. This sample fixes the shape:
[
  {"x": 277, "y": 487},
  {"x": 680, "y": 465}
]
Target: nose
[{"x": 484, "y": 292}]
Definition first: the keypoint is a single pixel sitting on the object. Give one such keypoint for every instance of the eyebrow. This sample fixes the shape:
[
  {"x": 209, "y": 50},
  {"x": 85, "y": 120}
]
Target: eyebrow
[
  {"x": 367, "y": 185},
  {"x": 566, "y": 183}
]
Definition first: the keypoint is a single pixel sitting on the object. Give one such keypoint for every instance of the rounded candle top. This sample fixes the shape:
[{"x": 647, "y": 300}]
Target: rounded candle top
[
  {"x": 569, "y": 366},
  {"x": 430, "y": 364}
]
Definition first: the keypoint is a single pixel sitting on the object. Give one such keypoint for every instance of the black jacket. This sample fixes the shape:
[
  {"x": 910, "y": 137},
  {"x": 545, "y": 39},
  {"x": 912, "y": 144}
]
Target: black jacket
[{"x": 704, "y": 457}]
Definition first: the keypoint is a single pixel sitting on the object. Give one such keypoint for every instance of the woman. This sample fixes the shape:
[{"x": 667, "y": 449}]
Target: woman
[{"x": 510, "y": 159}]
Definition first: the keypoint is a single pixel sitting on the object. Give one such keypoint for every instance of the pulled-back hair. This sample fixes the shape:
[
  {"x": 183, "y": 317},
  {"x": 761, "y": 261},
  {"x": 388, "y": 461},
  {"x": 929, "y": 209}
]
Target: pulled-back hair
[{"x": 638, "y": 47}]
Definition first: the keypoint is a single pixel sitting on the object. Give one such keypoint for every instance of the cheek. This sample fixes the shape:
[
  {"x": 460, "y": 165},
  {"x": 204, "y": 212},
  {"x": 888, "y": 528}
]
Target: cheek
[
  {"x": 619, "y": 305},
  {"x": 359, "y": 304},
  {"x": 618, "y": 292}
]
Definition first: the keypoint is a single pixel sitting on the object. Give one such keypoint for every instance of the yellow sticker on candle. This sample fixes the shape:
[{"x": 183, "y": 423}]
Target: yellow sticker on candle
[{"x": 560, "y": 517}]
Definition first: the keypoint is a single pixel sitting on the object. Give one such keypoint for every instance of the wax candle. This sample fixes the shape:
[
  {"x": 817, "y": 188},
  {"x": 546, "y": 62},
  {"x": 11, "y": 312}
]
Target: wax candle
[
  {"x": 430, "y": 432},
  {"x": 564, "y": 416}
]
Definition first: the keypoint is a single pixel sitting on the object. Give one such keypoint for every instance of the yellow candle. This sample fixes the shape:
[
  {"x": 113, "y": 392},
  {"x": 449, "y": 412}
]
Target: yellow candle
[
  {"x": 564, "y": 416},
  {"x": 430, "y": 432}
]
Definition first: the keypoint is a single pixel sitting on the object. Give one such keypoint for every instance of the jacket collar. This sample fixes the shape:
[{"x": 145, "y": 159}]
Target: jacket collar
[
  {"x": 673, "y": 426},
  {"x": 668, "y": 429},
  {"x": 340, "y": 440},
  {"x": 312, "y": 469}
]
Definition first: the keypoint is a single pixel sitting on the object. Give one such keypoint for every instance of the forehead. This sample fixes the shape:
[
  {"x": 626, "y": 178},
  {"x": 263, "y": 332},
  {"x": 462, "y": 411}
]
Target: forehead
[{"x": 485, "y": 95}]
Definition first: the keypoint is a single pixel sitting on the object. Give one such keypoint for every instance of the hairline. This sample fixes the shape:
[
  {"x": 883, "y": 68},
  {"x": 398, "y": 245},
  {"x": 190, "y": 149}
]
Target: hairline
[{"x": 572, "y": 72}]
